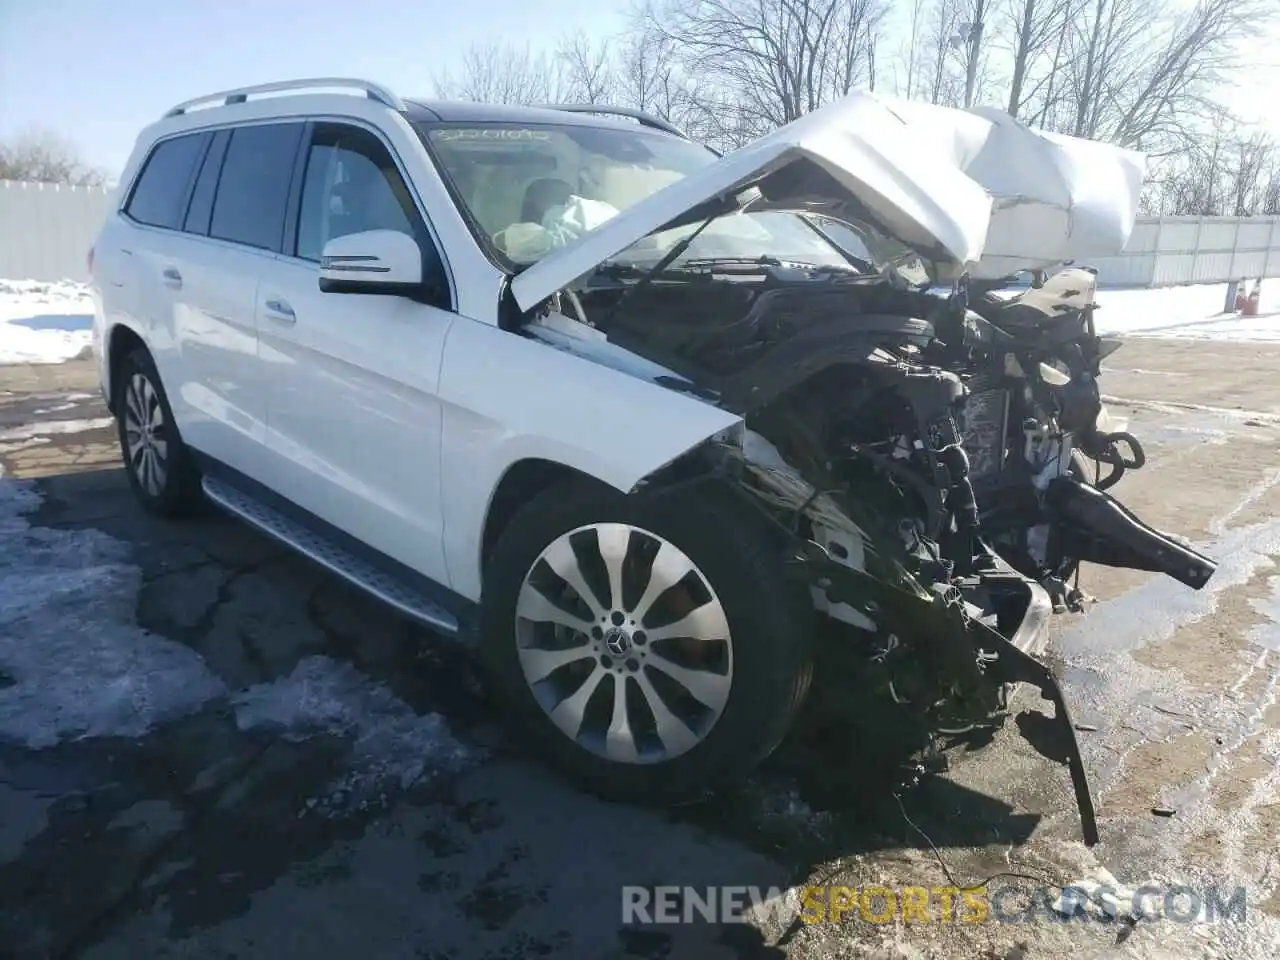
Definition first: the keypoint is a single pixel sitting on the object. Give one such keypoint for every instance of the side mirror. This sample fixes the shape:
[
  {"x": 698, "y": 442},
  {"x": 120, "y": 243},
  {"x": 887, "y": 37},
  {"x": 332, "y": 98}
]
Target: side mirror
[{"x": 374, "y": 261}]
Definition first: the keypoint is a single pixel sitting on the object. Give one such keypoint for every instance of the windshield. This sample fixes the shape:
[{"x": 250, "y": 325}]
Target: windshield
[
  {"x": 530, "y": 188},
  {"x": 533, "y": 187}
]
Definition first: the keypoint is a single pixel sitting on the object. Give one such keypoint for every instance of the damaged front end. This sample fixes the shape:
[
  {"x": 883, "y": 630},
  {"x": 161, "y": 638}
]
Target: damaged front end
[
  {"x": 880, "y": 521},
  {"x": 786, "y": 283}
]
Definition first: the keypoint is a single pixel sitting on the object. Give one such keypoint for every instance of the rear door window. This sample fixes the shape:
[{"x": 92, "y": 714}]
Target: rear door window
[
  {"x": 159, "y": 198},
  {"x": 253, "y": 190}
]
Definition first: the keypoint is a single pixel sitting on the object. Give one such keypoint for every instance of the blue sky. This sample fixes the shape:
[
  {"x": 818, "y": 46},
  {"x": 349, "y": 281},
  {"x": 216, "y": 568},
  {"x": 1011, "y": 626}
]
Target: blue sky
[{"x": 97, "y": 71}]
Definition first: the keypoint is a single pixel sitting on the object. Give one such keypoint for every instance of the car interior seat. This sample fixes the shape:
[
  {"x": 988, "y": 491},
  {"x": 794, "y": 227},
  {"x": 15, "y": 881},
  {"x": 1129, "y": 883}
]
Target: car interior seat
[{"x": 541, "y": 195}]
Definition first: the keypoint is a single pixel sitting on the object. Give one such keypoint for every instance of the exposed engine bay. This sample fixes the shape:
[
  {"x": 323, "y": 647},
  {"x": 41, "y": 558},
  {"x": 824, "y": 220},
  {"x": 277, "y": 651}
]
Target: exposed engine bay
[{"x": 853, "y": 449}]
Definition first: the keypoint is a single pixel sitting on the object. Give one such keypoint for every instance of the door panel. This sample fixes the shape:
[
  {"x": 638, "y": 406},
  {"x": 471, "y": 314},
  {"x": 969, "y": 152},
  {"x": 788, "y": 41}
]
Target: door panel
[
  {"x": 239, "y": 202},
  {"x": 354, "y": 417},
  {"x": 219, "y": 401},
  {"x": 196, "y": 301}
]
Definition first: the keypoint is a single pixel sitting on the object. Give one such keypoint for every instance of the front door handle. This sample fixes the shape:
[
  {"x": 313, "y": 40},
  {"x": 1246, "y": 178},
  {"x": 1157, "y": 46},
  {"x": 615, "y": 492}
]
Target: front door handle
[
  {"x": 281, "y": 311},
  {"x": 172, "y": 278}
]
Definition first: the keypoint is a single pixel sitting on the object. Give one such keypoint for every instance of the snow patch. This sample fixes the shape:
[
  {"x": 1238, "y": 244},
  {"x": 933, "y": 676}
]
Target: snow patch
[
  {"x": 48, "y": 428},
  {"x": 1192, "y": 312},
  {"x": 80, "y": 665},
  {"x": 45, "y": 322},
  {"x": 26, "y": 444},
  {"x": 392, "y": 747},
  {"x": 38, "y": 290}
]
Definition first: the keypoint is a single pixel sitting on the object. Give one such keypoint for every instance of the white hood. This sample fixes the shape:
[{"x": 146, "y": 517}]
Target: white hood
[
  {"x": 971, "y": 190},
  {"x": 881, "y": 163},
  {"x": 1055, "y": 197}
]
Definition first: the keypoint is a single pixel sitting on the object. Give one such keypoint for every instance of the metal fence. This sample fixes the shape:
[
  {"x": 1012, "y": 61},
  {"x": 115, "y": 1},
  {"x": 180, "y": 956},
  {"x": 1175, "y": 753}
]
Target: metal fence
[
  {"x": 1171, "y": 251},
  {"x": 46, "y": 229}
]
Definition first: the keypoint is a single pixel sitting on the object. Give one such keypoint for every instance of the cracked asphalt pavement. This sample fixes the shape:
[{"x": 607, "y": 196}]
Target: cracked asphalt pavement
[{"x": 211, "y": 748}]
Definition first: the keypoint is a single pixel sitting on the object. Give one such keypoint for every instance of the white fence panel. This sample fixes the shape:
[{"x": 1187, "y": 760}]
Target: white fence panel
[
  {"x": 1170, "y": 251},
  {"x": 46, "y": 229}
]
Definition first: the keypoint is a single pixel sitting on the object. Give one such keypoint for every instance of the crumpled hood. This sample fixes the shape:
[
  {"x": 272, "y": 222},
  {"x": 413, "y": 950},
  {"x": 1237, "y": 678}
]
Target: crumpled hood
[
  {"x": 854, "y": 150},
  {"x": 1055, "y": 197},
  {"x": 971, "y": 190}
]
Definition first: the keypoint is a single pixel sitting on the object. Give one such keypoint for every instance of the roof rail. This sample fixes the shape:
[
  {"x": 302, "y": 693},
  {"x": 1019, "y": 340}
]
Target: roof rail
[
  {"x": 644, "y": 119},
  {"x": 373, "y": 91}
]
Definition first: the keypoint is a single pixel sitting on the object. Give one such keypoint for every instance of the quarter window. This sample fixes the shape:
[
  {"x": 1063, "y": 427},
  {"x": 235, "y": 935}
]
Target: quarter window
[{"x": 160, "y": 195}]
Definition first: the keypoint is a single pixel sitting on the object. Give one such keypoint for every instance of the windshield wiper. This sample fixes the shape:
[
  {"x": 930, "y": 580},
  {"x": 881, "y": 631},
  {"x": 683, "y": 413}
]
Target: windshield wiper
[
  {"x": 863, "y": 266},
  {"x": 767, "y": 260},
  {"x": 657, "y": 268},
  {"x": 616, "y": 270}
]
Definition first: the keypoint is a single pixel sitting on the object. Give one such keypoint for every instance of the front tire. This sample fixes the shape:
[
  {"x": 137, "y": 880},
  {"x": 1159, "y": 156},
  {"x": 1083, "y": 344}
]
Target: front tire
[
  {"x": 650, "y": 646},
  {"x": 160, "y": 468}
]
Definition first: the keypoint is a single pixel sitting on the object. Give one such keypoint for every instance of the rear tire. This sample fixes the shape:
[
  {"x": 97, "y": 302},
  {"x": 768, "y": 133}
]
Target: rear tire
[
  {"x": 750, "y": 682},
  {"x": 160, "y": 468}
]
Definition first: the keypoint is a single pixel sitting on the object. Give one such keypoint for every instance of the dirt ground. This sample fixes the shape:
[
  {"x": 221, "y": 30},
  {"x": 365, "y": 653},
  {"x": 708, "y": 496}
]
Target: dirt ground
[{"x": 199, "y": 838}]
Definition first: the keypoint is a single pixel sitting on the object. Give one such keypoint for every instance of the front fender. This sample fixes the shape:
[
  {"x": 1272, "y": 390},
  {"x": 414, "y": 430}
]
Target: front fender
[{"x": 508, "y": 398}]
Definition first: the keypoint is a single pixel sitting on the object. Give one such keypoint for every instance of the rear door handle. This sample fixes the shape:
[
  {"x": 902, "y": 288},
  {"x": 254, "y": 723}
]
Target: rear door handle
[
  {"x": 281, "y": 311},
  {"x": 172, "y": 278}
]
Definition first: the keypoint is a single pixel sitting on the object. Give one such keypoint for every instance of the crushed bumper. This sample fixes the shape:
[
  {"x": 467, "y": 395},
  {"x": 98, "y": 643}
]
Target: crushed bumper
[
  {"x": 959, "y": 642},
  {"x": 1100, "y": 530}
]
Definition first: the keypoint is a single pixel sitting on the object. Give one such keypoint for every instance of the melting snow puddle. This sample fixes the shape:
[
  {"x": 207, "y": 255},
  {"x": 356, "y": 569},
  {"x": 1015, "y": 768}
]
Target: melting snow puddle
[
  {"x": 49, "y": 428},
  {"x": 44, "y": 322},
  {"x": 1268, "y": 634},
  {"x": 1153, "y": 611},
  {"x": 392, "y": 747},
  {"x": 21, "y": 445},
  {"x": 80, "y": 665},
  {"x": 1178, "y": 408},
  {"x": 1144, "y": 372},
  {"x": 76, "y": 665}
]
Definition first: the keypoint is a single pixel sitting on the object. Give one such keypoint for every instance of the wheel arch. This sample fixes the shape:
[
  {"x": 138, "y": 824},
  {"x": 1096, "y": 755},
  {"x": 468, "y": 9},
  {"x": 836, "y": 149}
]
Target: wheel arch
[
  {"x": 527, "y": 474},
  {"x": 521, "y": 482},
  {"x": 121, "y": 341}
]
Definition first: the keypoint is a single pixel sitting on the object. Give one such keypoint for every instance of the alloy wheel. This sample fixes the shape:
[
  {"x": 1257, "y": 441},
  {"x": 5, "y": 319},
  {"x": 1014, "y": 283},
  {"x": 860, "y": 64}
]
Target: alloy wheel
[
  {"x": 624, "y": 643},
  {"x": 146, "y": 435}
]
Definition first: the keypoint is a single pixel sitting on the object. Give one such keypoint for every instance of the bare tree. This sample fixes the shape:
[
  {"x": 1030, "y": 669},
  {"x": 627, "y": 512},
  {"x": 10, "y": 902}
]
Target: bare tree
[
  {"x": 1254, "y": 158},
  {"x": 1037, "y": 29},
  {"x": 651, "y": 78},
  {"x": 941, "y": 38},
  {"x": 947, "y": 51},
  {"x": 1223, "y": 172},
  {"x": 762, "y": 63},
  {"x": 648, "y": 77},
  {"x": 1140, "y": 73},
  {"x": 587, "y": 69},
  {"x": 1143, "y": 76},
  {"x": 578, "y": 69},
  {"x": 502, "y": 73},
  {"x": 912, "y": 52},
  {"x": 45, "y": 157}
]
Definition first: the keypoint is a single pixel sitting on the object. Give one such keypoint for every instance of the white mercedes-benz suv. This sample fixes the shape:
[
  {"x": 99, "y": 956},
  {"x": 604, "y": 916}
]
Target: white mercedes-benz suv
[{"x": 636, "y": 420}]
